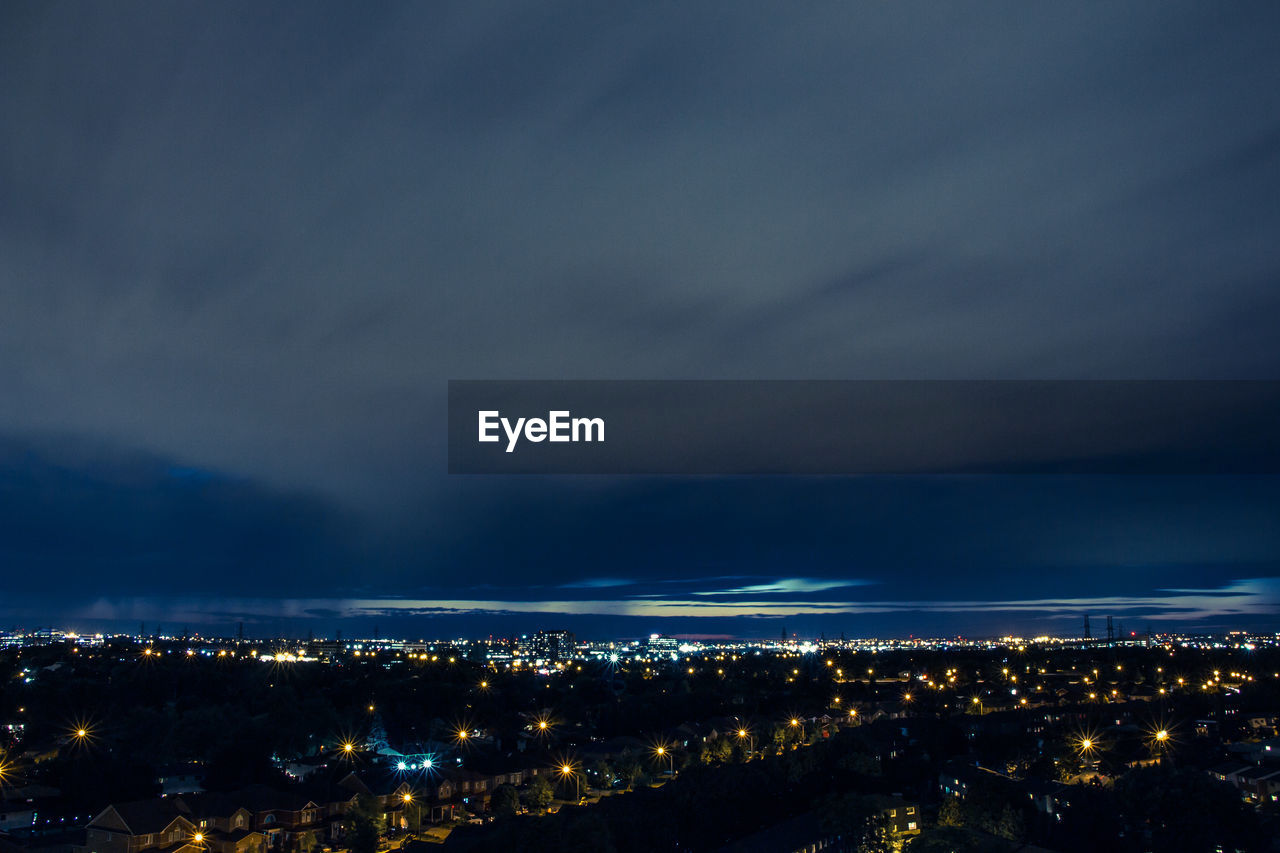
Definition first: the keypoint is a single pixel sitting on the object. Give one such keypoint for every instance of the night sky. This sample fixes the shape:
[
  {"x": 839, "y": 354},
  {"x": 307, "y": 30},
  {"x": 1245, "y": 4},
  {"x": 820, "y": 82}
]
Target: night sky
[{"x": 243, "y": 247}]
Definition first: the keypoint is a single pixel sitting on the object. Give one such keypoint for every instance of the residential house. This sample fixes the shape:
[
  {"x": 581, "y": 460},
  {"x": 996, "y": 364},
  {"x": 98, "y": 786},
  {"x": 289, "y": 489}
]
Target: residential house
[
  {"x": 16, "y": 814},
  {"x": 180, "y": 779},
  {"x": 223, "y": 825},
  {"x": 903, "y": 816},
  {"x": 156, "y": 824}
]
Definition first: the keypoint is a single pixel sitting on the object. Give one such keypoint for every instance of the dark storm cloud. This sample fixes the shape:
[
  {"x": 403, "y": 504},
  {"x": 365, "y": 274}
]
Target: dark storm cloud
[
  {"x": 257, "y": 240},
  {"x": 131, "y": 537},
  {"x": 80, "y": 521}
]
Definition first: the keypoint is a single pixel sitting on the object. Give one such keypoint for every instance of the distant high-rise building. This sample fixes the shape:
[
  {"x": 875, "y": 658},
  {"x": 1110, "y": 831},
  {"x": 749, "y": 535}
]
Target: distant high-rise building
[
  {"x": 552, "y": 645},
  {"x": 660, "y": 645}
]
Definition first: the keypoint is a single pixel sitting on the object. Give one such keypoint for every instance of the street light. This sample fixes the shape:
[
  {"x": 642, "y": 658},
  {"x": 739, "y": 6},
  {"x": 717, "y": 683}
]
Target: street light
[
  {"x": 81, "y": 731},
  {"x": 408, "y": 798},
  {"x": 566, "y": 770},
  {"x": 662, "y": 751},
  {"x": 751, "y": 741},
  {"x": 795, "y": 723},
  {"x": 1087, "y": 745},
  {"x": 1161, "y": 740}
]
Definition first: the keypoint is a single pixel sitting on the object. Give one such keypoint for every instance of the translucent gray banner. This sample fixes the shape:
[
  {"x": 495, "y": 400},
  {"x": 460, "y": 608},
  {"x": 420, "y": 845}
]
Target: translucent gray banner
[{"x": 863, "y": 427}]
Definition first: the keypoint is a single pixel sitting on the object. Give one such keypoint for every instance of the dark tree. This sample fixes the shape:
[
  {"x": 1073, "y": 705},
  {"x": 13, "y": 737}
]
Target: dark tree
[
  {"x": 505, "y": 801},
  {"x": 363, "y": 824}
]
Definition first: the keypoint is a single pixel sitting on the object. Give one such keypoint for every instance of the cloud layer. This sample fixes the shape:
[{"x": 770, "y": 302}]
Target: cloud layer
[{"x": 243, "y": 248}]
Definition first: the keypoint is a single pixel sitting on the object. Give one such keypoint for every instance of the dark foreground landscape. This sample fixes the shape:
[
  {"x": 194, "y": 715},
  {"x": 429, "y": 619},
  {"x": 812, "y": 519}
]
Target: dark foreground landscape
[{"x": 125, "y": 744}]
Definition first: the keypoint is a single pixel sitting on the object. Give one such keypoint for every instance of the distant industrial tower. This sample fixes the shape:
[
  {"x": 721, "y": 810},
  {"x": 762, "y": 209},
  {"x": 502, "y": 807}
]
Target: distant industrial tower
[{"x": 1087, "y": 634}]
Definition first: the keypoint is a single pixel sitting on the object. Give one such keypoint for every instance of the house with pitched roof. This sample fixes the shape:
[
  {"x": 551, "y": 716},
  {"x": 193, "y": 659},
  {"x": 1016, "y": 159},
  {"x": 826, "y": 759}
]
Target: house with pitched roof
[{"x": 152, "y": 825}]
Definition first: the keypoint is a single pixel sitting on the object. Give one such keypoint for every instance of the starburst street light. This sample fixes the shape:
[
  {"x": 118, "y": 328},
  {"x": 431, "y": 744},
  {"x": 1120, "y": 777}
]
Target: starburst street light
[
  {"x": 1159, "y": 738},
  {"x": 348, "y": 749},
  {"x": 81, "y": 732},
  {"x": 1087, "y": 746},
  {"x": 662, "y": 751},
  {"x": 407, "y": 797},
  {"x": 796, "y": 724},
  {"x": 566, "y": 770}
]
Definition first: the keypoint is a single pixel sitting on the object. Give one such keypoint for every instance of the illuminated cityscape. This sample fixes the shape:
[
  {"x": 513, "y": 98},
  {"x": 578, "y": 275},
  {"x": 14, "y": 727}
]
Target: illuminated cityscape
[{"x": 168, "y": 742}]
